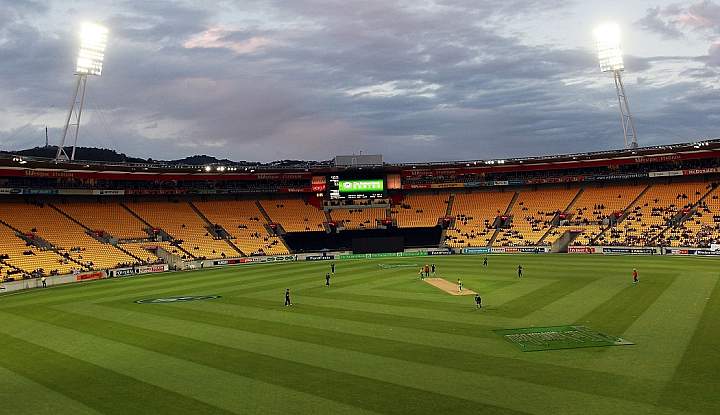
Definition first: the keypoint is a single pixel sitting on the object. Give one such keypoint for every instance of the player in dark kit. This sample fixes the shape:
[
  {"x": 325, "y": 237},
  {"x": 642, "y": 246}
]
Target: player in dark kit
[
  {"x": 478, "y": 301},
  {"x": 635, "y": 276},
  {"x": 519, "y": 271},
  {"x": 485, "y": 262},
  {"x": 287, "y": 297},
  {"x": 332, "y": 268},
  {"x": 327, "y": 279},
  {"x": 432, "y": 268}
]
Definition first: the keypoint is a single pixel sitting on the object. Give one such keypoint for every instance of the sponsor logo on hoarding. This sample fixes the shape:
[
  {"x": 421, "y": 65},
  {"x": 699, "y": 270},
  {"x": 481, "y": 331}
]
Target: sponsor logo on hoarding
[
  {"x": 152, "y": 268},
  {"x": 86, "y": 276},
  {"x": 706, "y": 252},
  {"x": 634, "y": 251},
  {"x": 179, "y": 299},
  {"x": 474, "y": 251},
  {"x": 121, "y": 272},
  {"x": 319, "y": 257},
  {"x": 665, "y": 173},
  {"x": 440, "y": 252},
  {"x": 382, "y": 255},
  {"x": 581, "y": 250},
  {"x": 108, "y": 192}
]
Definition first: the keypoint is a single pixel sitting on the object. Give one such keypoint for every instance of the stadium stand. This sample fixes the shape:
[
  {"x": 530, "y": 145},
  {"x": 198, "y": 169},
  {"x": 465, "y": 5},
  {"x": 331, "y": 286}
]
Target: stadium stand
[
  {"x": 652, "y": 213},
  {"x": 358, "y": 218},
  {"x": 65, "y": 235},
  {"x": 185, "y": 225},
  {"x": 475, "y": 214},
  {"x": 592, "y": 210},
  {"x": 421, "y": 210},
  {"x": 29, "y": 258},
  {"x": 245, "y": 222},
  {"x": 110, "y": 217},
  {"x": 532, "y": 214},
  {"x": 700, "y": 227},
  {"x": 294, "y": 215}
]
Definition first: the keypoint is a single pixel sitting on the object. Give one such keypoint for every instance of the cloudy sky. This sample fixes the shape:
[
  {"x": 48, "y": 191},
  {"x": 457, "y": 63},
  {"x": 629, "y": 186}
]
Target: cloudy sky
[{"x": 414, "y": 80}]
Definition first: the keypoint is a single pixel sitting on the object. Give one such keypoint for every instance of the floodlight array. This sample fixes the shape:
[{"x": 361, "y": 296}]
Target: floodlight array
[
  {"x": 93, "y": 40},
  {"x": 609, "y": 51}
]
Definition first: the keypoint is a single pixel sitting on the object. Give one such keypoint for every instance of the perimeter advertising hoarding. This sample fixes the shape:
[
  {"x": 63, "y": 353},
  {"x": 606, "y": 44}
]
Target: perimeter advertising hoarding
[
  {"x": 254, "y": 260},
  {"x": 87, "y": 276},
  {"x": 319, "y": 257},
  {"x": 475, "y": 251},
  {"x": 383, "y": 255},
  {"x": 581, "y": 250},
  {"x": 152, "y": 269},
  {"x": 627, "y": 250}
]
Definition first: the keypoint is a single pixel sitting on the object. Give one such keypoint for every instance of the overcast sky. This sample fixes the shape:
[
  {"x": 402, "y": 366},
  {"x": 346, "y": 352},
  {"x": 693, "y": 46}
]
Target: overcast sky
[{"x": 414, "y": 80}]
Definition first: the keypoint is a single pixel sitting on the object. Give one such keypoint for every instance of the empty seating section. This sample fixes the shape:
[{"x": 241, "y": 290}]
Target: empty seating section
[
  {"x": 137, "y": 249},
  {"x": 532, "y": 214},
  {"x": 652, "y": 213},
  {"x": 245, "y": 223},
  {"x": 29, "y": 258},
  {"x": 701, "y": 228},
  {"x": 594, "y": 207},
  {"x": 109, "y": 217},
  {"x": 180, "y": 221},
  {"x": 295, "y": 215},
  {"x": 419, "y": 211},
  {"x": 475, "y": 214},
  {"x": 64, "y": 234},
  {"x": 358, "y": 218}
]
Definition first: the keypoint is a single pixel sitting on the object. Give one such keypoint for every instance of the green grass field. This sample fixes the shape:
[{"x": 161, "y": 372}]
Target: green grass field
[{"x": 377, "y": 341}]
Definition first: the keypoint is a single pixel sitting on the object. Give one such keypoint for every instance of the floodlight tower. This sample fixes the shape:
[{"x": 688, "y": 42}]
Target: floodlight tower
[
  {"x": 93, "y": 39},
  {"x": 610, "y": 57}
]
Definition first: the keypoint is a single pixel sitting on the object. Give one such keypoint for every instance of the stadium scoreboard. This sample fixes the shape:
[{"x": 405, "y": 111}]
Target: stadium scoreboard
[{"x": 340, "y": 188}]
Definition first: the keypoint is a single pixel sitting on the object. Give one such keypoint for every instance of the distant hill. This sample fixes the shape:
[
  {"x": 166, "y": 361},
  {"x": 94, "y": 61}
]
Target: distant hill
[
  {"x": 83, "y": 153},
  {"x": 107, "y": 155}
]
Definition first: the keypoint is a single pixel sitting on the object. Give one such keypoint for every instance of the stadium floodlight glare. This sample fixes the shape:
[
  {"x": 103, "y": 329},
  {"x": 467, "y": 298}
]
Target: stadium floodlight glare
[
  {"x": 609, "y": 51},
  {"x": 607, "y": 37},
  {"x": 93, "y": 41}
]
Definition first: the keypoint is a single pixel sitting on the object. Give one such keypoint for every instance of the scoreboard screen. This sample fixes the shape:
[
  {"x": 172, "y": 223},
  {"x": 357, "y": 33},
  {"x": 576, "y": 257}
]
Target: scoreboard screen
[{"x": 346, "y": 188}]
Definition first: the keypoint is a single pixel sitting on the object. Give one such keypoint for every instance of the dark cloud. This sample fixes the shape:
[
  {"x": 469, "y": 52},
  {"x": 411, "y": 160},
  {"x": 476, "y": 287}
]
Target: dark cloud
[
  {"x": 654, "y": 22},
  {"x": 702, "y": 17},
  {"x": 310, "y": 79}
]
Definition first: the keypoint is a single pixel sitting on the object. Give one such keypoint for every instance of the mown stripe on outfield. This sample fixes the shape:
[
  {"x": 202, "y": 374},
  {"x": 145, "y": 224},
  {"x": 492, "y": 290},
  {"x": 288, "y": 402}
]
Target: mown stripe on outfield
[
  {"x": 580, "y": 380},
  {"x": 13, "y": 385},
  {"x": 466, "y": 329},
  {"x": 371, "y": 394},
  {"x": 391, "y": 301},
  {"x": 528, "y": 303},
  {"x": 619, "y": 312},
  {"x": 696, "y": 384},
  {"x": 98, "y": 388}
]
